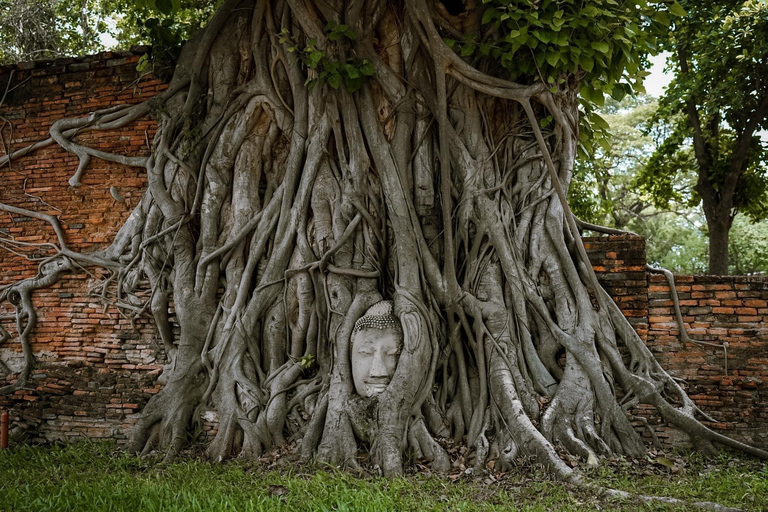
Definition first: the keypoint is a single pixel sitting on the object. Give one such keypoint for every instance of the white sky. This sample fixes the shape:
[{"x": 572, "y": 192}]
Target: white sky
[
  {"x": 106, "y": 38},
  {"x": 657, "y": 81}
]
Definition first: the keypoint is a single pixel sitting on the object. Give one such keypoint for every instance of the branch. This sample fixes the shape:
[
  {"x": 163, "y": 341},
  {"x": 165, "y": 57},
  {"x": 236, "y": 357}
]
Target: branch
[
  {"x": 679, "y": 315},
  {"x": 583, "y": 225},
  {"x": 52, "y": 220}
]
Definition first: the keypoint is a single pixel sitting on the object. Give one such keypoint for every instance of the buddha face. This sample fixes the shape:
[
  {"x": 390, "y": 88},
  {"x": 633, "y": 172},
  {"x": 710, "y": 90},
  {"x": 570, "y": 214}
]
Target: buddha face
[{"x": 375, "y": 352}]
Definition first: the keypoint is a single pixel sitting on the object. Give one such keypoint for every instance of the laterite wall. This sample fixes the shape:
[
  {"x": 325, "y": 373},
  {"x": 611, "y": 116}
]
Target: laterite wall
[
  {"x": 96, "y": 370},
  {"x": 716, "y": 309}
]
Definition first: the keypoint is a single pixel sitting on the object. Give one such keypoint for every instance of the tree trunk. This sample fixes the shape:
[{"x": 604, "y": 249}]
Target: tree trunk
[
  {"x": 283, "y": 207},
  {"x": 719, "y": 230}
]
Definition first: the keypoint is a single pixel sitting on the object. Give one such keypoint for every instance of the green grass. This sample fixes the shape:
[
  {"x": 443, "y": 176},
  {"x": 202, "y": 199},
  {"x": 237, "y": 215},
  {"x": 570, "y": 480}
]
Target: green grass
[{"x": 93, "y": 477}]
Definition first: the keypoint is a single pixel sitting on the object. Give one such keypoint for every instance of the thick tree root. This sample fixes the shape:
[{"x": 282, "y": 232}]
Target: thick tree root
[{"x": 704, "y": 505}]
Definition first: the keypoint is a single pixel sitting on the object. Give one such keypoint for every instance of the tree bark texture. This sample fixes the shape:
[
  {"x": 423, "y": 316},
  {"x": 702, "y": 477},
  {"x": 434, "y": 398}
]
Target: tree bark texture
[
  {"x": 277, "y": 213},
  {"x": 719, "y": 231}
]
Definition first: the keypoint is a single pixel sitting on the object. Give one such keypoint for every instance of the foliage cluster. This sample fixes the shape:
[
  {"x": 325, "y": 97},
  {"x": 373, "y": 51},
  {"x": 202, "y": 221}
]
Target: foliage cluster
[
  {"x": 610, "y": 189},
  {"x": 46, "y": 29},
  {"x": 719, "y": 57},
  {"x": 351, "y": 72},
  {"x": 604, "y": 44},
  {"x": 42, "y": 29}
]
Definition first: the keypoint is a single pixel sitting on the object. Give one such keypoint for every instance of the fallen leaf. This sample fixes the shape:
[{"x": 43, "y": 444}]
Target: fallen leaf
[
  {"x": 278, "y": 490},
  {"x": 663, "y": 461}
]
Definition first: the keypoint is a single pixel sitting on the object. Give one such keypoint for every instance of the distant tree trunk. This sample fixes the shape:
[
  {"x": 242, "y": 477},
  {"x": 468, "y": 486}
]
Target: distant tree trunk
[
  {"x": 719, "y": 228},
  {"x": 717, "y": 203}
]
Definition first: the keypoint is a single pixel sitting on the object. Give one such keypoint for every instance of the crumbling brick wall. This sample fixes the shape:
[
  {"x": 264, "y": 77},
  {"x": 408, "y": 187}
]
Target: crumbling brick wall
[
  {"x": 619, "y": 261},
  {"x": 716, "y": 310},
  {"x": 97, "y": 369}
]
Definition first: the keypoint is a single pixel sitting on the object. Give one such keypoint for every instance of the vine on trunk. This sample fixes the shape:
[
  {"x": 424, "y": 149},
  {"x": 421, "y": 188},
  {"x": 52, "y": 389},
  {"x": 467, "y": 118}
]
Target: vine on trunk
[{"x": 277, "y": 214}]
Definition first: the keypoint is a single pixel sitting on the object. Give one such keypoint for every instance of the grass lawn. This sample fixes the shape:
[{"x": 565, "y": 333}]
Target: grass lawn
[{"x": 94, "y": 477}]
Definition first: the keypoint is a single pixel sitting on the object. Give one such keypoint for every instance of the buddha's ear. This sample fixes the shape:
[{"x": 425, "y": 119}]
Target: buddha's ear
[{"x": 411, "y": 330}]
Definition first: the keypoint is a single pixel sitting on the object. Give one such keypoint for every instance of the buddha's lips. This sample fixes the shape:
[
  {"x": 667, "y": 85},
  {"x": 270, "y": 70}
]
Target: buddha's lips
[{"x": 377, "y": 384}]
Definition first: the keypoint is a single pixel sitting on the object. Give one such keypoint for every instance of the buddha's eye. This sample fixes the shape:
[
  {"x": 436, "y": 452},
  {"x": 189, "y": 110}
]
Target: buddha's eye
[
  {"x": 394, "y": 352},
  {"x": 365, "y": 351}
]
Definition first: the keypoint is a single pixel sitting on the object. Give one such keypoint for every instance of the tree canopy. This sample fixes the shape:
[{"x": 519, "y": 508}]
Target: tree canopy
[
  {"x": 610, "y": 189},
  {"x": 45, "y": 29},
  {"x": 713, "y": 113}
]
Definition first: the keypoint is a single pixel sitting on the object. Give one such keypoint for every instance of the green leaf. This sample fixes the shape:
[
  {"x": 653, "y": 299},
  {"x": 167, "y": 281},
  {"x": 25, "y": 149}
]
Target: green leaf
[
  {"x": 331, "y": 66},
  {"x": 314, "y": 59},
  {"x": 663, "y": 18},
  {"x": 592, "y": 95},
  {"x": 553, "y": 58},
  {"x": 543, "y": 35},
  {"x": 599, "y": 122},
  {"x": 663, "y": 461},
  {"x": 677, "y": 9},
  {"x": 601, "y": 46},
  {"x": 489, "y": 15},
  {"x": 164, "y": 6},
  {"x": 334, "y": 80},
  {"x": 467, "y": 50},
  {"x": 350, "y": 33},
  {"x": 367, "y": 68},
  {"x": 353, "y": 84},
  {"x": 351, "y": 71},
  {"x": 143, "y": 64}
]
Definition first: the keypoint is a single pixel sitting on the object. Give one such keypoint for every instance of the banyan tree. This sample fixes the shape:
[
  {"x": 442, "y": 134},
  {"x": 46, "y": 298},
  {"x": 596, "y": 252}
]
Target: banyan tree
[{"x": 358, "y": 213}]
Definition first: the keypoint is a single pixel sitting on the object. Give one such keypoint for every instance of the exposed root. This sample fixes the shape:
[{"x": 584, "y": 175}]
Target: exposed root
[{"x": 276, "y": 214}]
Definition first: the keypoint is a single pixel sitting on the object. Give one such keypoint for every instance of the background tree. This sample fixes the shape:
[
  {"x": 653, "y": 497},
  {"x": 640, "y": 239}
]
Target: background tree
[
  {"x": 605, "y": 189},
  {"x": 44, "y": 29},
  {"x": 715, "y": 108},
  {"x": 613, "y": 187},
  {"x": 314, "y": 158}
]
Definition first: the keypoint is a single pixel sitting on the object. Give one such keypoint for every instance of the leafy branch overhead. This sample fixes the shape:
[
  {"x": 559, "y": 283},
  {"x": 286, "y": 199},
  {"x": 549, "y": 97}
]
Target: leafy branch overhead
[{"x": 604, "y": 44}]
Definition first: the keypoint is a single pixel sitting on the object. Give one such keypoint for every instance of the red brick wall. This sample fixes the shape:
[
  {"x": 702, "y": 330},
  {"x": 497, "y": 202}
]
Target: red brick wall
[
  {"x": 619, "y": 262},
  {"x": 716, "y": 309},
  {"x": 96, "y": 370}
]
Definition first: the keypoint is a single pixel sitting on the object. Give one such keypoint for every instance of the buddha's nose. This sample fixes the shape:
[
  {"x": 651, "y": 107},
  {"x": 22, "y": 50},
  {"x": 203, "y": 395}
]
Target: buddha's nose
[{"x": 378, "y": 368}]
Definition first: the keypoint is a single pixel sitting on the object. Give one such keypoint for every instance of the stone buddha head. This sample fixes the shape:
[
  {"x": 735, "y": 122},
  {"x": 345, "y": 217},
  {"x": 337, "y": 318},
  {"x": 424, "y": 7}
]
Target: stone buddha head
[{"x": 377, "y": 340}]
